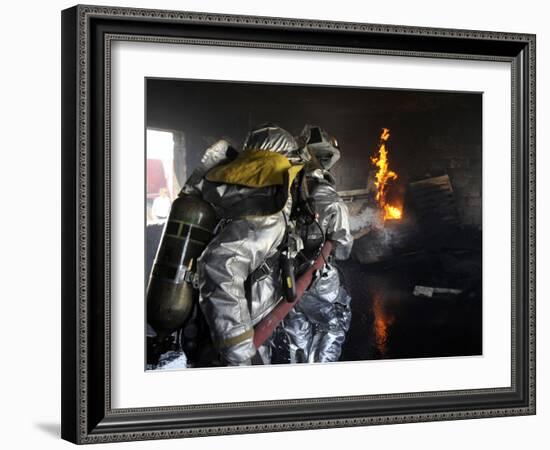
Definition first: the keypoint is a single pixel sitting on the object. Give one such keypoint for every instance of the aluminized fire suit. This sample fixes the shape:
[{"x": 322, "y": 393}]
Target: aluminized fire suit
[
  {"x": 317, "y": 325},
  {"x": 252, "y": 198}
]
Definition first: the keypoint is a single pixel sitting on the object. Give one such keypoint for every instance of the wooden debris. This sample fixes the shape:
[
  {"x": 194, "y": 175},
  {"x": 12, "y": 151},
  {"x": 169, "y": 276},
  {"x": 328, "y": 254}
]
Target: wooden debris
[
  {"x": 434, "y": 201},
  {"x": 428, "y": 291}
]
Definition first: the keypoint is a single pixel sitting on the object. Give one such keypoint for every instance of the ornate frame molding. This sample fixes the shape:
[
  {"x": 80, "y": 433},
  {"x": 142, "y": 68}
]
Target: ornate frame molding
[{"x": 79, "y": 423}]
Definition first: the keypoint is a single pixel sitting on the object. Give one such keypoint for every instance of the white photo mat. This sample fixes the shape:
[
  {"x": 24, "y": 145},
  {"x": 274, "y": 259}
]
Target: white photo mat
[{"x": 133, "y": 387}]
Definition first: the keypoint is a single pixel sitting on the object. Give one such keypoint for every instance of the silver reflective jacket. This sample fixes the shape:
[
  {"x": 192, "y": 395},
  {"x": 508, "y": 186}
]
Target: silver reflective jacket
[
  {"x": 243, "y": 244},
  {"x": 317, "y": 326},
  {"x": 237, "y": 251}
]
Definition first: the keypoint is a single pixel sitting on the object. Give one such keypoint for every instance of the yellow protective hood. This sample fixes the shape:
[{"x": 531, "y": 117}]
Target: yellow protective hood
[{"x": 256, "y": 169}]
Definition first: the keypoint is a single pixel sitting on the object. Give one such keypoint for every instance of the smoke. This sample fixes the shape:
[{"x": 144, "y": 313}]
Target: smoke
[
  {"x": 375, "y": 239},
  {"x": 368, "y": 218}
]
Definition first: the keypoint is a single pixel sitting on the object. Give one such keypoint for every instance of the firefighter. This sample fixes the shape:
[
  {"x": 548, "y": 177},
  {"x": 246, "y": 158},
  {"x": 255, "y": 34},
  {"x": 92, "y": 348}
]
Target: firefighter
[
  {"x": 251, "y": 196},
  {"x": 317, "y": 325}
]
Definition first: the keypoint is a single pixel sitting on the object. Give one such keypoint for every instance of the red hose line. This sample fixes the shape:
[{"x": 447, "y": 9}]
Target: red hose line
[{"x": 264, "y": 329}]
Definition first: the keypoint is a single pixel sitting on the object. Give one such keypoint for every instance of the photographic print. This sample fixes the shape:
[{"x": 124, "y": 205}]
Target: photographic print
[{"x": 289, "y": 224}]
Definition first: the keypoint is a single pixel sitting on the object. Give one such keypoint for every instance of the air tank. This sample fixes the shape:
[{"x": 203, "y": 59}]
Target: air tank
[{"x": 170, "y": 293}]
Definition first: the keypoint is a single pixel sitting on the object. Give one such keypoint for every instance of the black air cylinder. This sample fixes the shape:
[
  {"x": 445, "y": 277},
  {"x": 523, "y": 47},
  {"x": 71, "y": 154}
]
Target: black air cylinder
[{"x": 170, "y": 293}]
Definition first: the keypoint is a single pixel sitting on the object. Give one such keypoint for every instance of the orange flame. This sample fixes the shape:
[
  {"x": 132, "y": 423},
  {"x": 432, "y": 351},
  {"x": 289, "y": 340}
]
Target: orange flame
[
  {"x": 392, "y": 212},
  {"x": 382, "y": 323},
  {"x": 383, "y": 176}
]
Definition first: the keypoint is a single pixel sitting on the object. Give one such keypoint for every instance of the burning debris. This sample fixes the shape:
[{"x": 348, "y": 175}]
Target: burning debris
[
  {"x": 370, "y": 226},
  {"x": 381, "y": 206},
  {"x": 382, "y": 178},
  {"x": 383, "y": 231}
]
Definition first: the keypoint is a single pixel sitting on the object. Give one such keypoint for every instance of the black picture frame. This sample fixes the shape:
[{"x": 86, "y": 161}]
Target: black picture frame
[{"x": 87, "y": 415}]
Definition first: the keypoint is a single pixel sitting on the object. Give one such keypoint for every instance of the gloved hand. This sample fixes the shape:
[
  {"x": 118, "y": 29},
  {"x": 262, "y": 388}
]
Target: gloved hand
[{"x": 215, "y": 154}]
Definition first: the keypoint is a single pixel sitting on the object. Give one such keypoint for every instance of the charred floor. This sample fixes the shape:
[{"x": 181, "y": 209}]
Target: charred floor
[{"x": 390, "y": 321}]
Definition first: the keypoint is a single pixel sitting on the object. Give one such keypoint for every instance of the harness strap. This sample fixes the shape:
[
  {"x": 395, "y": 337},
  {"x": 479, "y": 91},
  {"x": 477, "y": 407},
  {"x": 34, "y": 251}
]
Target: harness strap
[{"x": 266, "y": 268}]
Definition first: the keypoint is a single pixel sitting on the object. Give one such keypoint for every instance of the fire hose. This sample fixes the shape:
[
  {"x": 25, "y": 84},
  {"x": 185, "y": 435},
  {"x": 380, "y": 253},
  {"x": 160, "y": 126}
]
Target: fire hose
[{"x": 264, "y": 329}]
